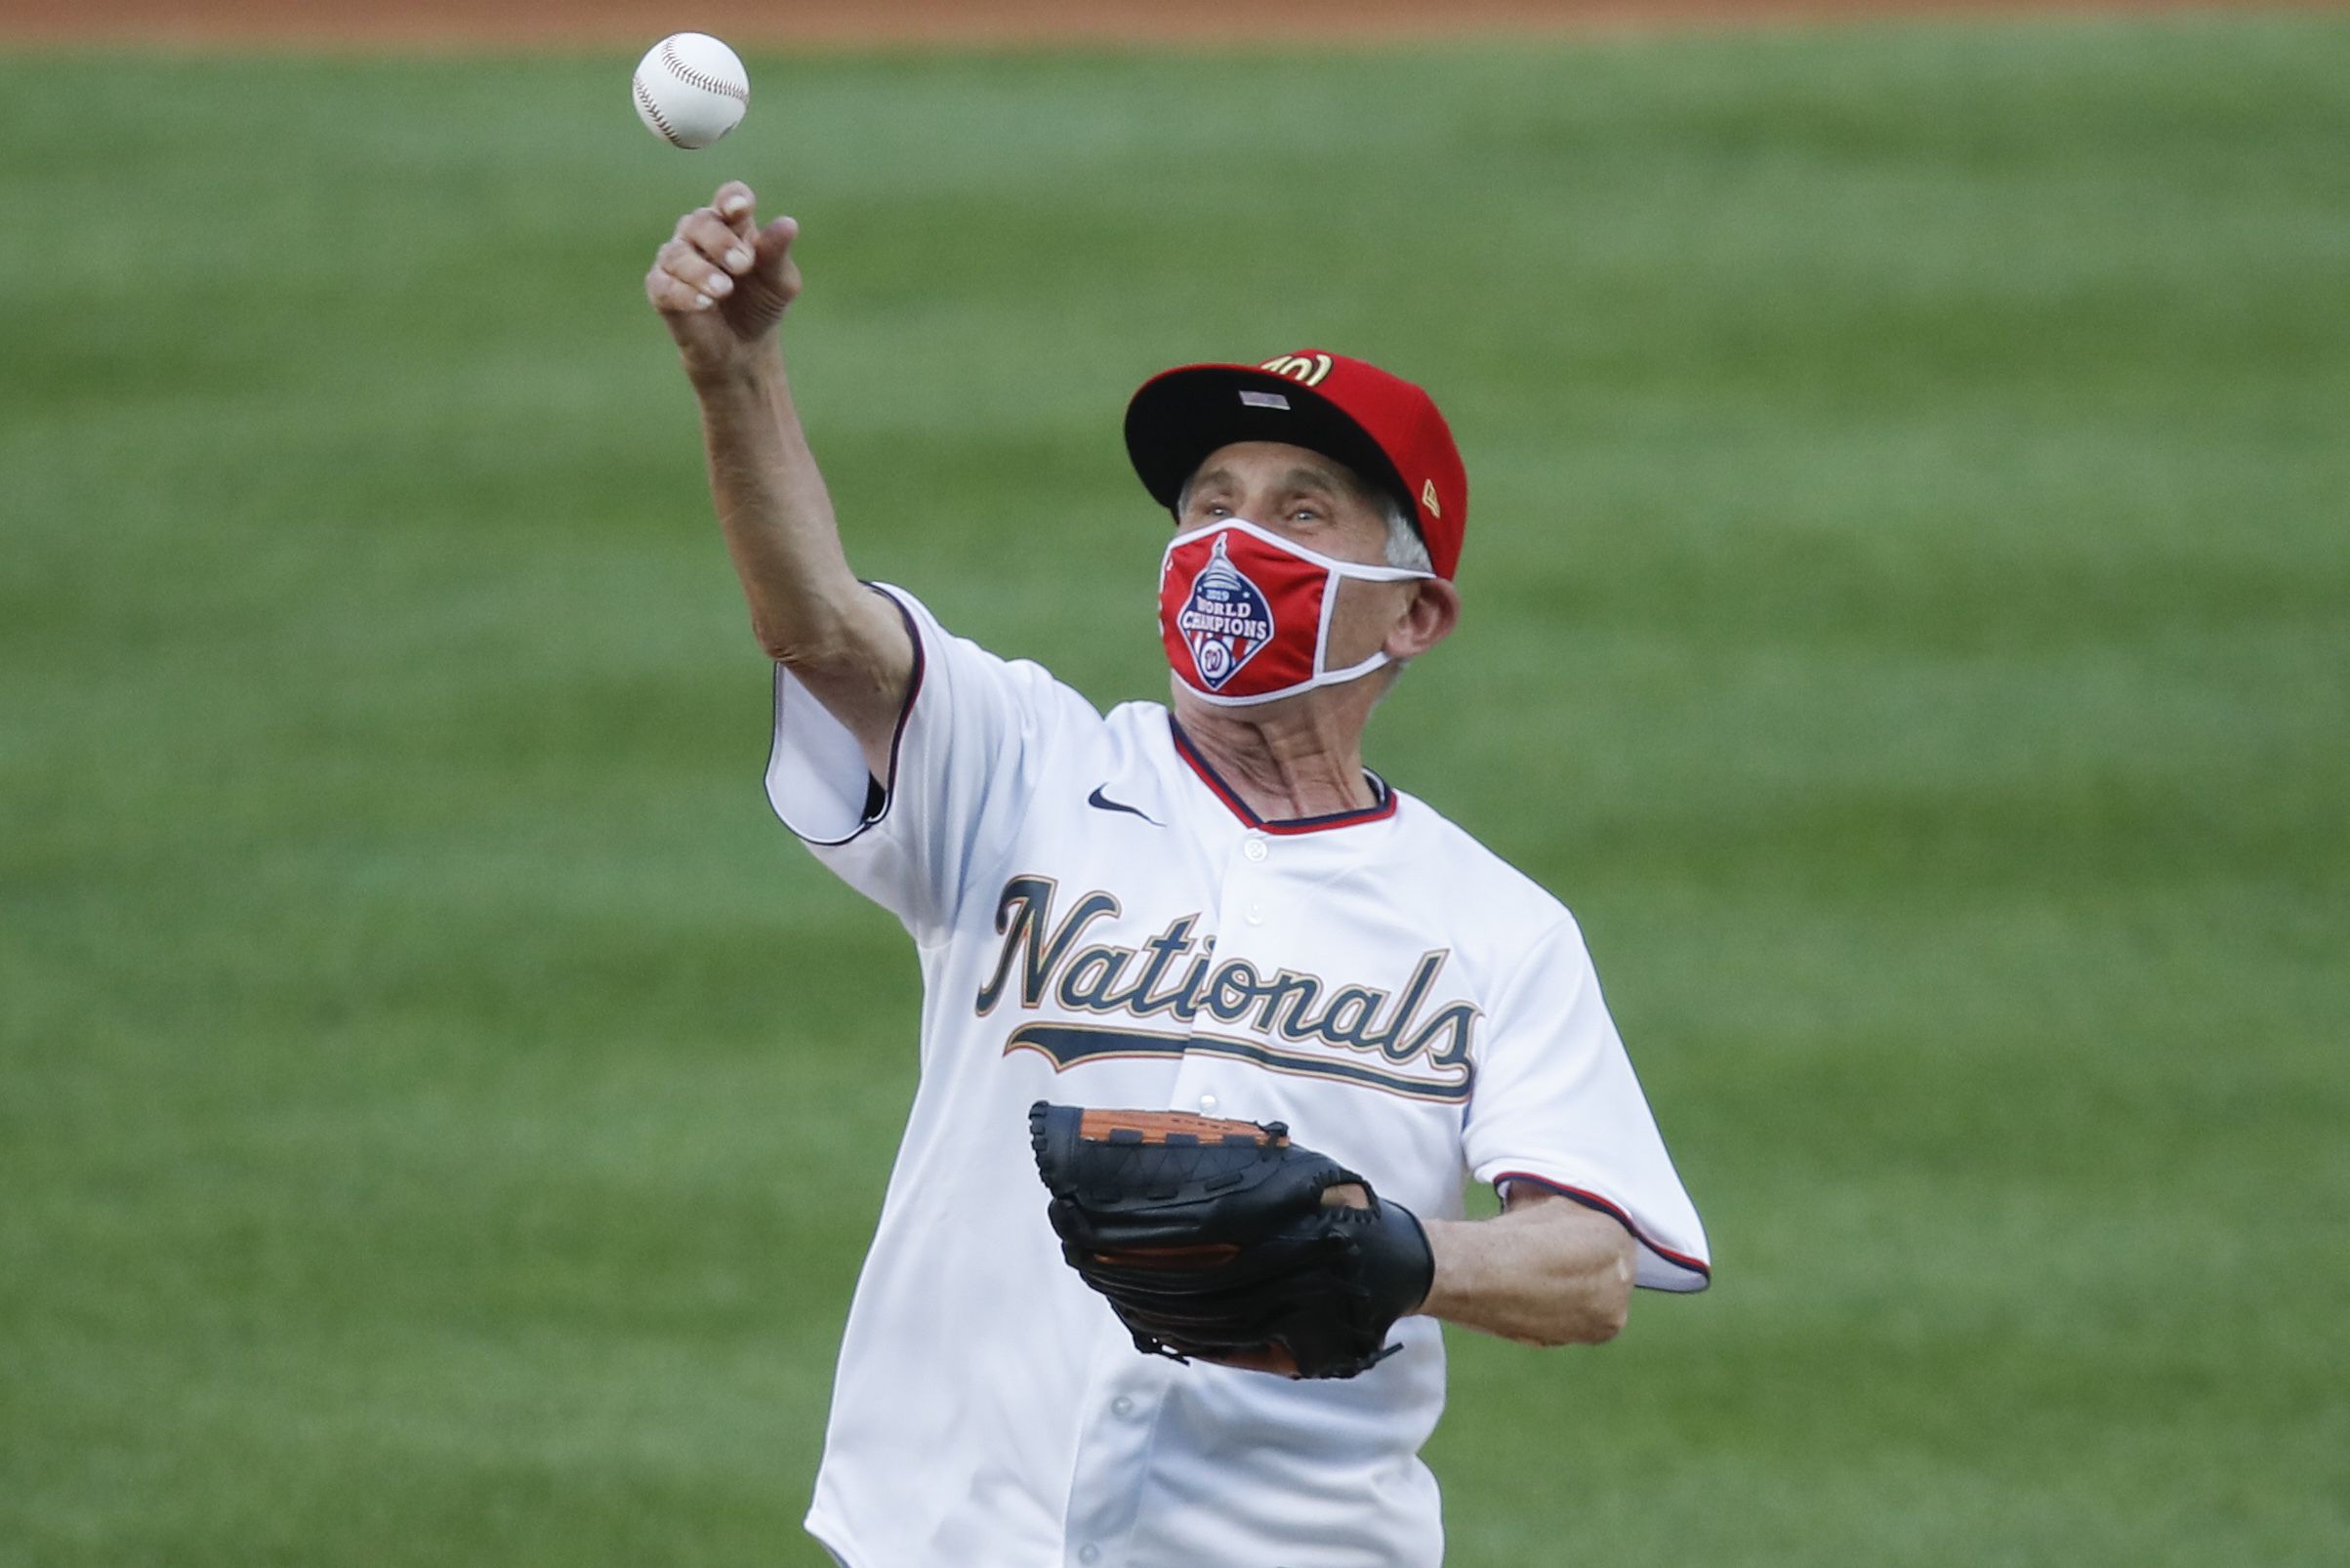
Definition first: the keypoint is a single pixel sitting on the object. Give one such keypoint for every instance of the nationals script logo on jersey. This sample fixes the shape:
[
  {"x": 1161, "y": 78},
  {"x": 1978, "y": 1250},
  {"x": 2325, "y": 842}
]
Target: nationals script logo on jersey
[
  {"x": 1290, "y": 1021},
  {"x": 1225, "y": 622}
]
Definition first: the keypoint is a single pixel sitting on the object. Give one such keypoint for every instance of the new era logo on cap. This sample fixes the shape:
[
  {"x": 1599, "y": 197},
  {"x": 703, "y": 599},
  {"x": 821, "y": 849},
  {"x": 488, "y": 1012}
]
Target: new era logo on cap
[{"x": 1379, "y": 425}]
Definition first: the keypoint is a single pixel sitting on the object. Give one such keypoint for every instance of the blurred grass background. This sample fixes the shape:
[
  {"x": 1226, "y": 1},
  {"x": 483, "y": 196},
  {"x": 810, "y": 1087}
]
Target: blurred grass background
[{"x": 441, "y": 1113}]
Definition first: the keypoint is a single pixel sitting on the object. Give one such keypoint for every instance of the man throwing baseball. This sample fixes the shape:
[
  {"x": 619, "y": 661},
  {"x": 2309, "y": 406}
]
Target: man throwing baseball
[{"x": 1210, "y": 908}]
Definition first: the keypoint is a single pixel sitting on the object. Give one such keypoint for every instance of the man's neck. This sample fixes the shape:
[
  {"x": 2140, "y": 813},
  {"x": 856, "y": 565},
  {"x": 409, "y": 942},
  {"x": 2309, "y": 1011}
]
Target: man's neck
[{"x": 1297, "y": 758}]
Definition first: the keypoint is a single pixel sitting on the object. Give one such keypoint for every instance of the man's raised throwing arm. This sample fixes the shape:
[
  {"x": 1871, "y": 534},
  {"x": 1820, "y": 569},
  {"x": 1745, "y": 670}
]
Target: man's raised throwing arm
[{"x": 721, "y": 285}]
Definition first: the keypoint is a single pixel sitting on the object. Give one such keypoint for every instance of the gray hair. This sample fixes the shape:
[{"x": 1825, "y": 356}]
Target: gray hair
[{"x": 1406, "y": 549}]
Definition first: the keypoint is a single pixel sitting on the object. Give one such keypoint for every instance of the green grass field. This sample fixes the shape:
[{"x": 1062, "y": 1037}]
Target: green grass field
[{"x": 1909, "y": 619}]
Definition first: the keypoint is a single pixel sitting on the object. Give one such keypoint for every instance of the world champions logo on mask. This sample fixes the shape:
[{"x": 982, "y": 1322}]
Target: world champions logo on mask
[{"x": 1225, "y": 622}]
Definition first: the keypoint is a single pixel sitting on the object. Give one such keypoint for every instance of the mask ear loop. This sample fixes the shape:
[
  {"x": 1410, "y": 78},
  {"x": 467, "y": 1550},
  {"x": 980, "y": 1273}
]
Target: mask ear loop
[
  {"x": 1330, "y": 610},
  {"x": 1335, "y": 573}
]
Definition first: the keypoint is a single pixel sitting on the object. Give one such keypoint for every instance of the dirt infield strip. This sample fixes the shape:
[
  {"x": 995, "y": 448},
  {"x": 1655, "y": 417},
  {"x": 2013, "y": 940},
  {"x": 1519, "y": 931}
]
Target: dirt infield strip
[{"x": 838, "y": 25}]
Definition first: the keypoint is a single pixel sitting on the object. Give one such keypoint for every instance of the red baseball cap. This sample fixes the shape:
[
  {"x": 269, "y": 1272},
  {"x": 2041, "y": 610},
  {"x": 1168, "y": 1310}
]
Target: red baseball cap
[{"x": 1380, "y": 426}]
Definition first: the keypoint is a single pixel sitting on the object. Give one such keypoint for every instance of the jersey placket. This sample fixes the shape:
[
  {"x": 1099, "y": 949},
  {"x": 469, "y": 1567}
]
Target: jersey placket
[
  {"x": 1126, "y": 1393},
  {"x": 1242, "y": 896}
]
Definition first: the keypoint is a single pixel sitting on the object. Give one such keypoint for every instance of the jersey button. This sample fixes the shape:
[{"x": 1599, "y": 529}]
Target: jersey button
[
  {"x": 1122, "y": 1406},
  {"x": 1254, "y": 848},
  {"x": 1256, "y": 914},
  {"x": 1207, "y": 1104},
  {"x": 1089, "y": 1552}
]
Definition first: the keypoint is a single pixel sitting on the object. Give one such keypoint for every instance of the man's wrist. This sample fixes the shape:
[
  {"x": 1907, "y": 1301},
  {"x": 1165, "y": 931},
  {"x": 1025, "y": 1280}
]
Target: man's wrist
[
  {"x": 1443, "y": 1265},
  {"x": 753, "y": 370}
]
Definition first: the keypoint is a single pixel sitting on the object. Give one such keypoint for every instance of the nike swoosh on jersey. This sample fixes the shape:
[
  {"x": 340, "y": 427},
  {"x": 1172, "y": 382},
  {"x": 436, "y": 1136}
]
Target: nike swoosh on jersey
[{"x": 1102, "y": 803}]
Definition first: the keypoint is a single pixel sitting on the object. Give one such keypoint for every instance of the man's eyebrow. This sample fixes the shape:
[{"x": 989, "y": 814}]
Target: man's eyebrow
[
  {"x": 1303, "y": 478},
  {"x": 1214, "y": 477}
]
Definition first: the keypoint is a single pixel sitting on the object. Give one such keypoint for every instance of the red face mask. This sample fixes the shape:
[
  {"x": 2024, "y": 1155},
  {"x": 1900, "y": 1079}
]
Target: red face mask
[{"x": 1245, "y": 614}]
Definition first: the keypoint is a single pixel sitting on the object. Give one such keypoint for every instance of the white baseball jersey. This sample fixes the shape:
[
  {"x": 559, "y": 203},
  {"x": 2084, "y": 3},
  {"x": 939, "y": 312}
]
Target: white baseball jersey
[{"x": 1102, "y": 922}]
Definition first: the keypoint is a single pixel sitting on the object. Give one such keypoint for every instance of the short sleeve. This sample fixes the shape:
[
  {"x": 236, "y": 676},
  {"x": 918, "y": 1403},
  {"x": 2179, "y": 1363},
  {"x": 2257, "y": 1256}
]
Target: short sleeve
[
  {"x": 1556, "y": 1105},
  {"x": 964, "y": 763}
]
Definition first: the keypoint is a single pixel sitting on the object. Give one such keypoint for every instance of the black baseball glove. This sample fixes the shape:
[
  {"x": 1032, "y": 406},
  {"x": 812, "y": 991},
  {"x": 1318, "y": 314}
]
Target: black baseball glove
[{"x": 1223, "y": 1240}]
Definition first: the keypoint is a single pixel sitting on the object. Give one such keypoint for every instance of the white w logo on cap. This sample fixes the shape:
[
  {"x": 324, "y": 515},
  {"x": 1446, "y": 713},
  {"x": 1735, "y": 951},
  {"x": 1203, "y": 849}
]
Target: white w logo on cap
[{"x": 1309, "y": 369}]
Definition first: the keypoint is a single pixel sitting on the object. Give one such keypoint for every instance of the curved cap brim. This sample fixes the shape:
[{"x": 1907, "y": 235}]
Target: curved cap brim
[{"x": 1181, "y": 416}]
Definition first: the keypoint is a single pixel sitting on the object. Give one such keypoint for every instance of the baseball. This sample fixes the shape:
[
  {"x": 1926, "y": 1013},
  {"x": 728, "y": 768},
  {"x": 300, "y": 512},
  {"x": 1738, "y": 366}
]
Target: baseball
[{"x": 691, "y": 90}]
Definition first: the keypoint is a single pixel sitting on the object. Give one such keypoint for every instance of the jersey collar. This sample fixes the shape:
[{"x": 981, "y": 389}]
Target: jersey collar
[{"x": 1378, "y": 812}]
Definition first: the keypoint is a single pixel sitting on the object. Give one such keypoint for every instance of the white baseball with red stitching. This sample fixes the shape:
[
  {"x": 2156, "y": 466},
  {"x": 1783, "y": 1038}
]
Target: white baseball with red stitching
[{"x": 691, "y": 90}]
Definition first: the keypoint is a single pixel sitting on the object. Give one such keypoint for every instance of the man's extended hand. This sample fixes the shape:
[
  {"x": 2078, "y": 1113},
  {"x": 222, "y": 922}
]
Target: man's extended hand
[{"x": 722, "y": 281}]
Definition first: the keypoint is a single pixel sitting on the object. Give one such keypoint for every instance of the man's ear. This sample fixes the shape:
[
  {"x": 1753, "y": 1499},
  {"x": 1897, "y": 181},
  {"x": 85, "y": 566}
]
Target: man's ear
[{"x": 1434, "y": 610}]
